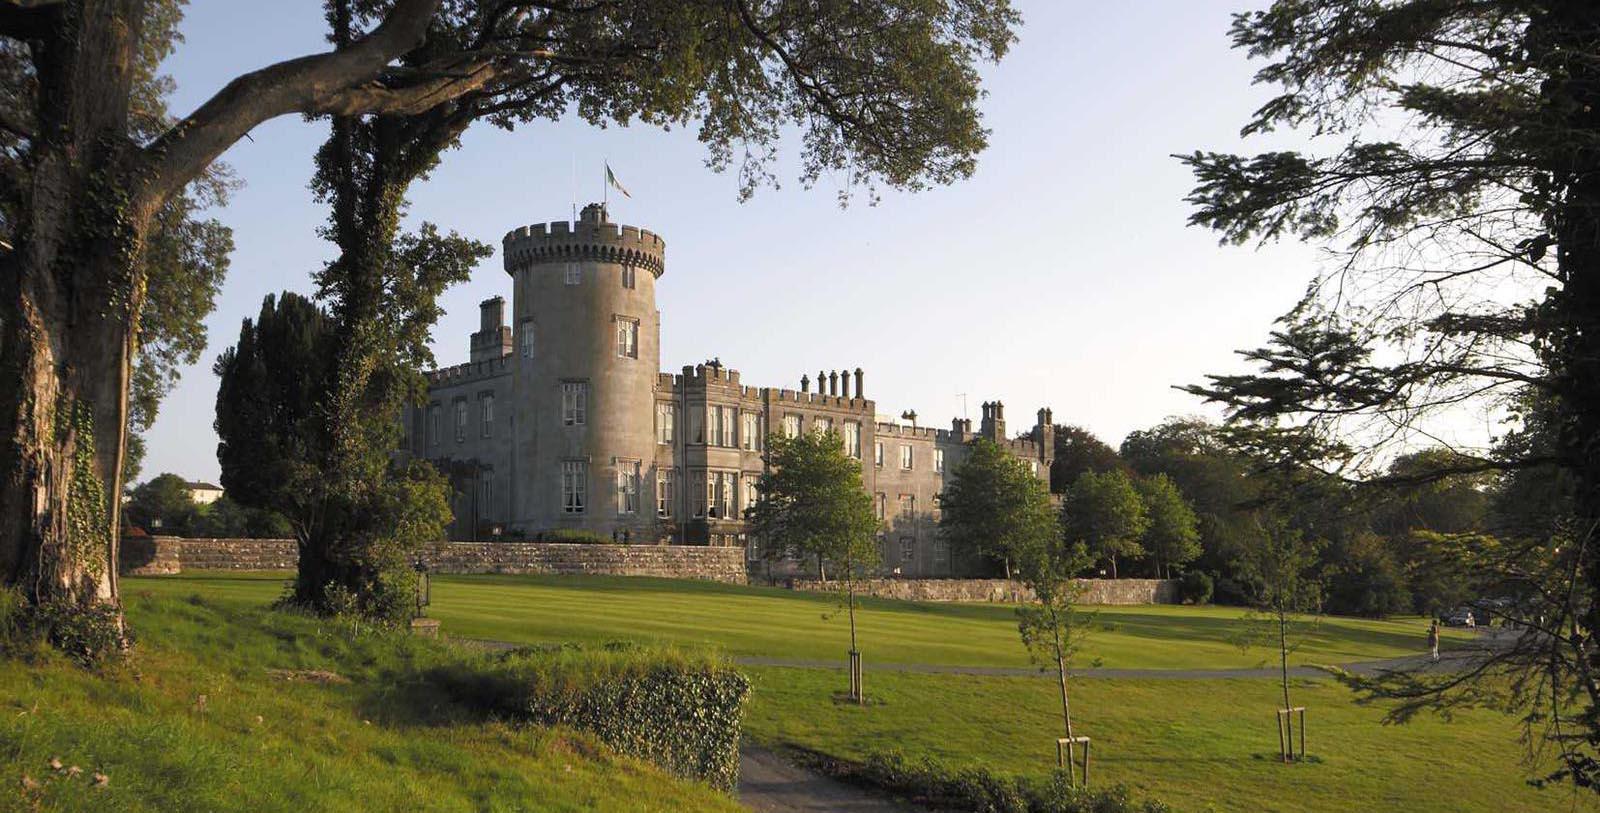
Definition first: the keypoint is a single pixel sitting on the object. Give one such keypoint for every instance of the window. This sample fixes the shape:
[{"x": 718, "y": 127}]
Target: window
[
  {"x": 665, "y": 420},
  {"x": 938, "y": 460},
  {"x": 881, "y": 505},
  {"x": 527, "y": 338},
  {"x": 574, "y": 273},
  {"x": 433, "y": 424},
  {"x": 697, "y": 425},
  {"x": 908, "y": 548},
  {"x": 908, "y": 507},
  {"x": 791, "y": 426},
  {"x": 725, "y": 426},
  {"x": 877, "y": 454},
  {"x": 574, "y": 403},
  {"x": 852, "y": 439},
  {"x": 627, "y": 486},
  {"x": 941, "y": 552},
  {"x": 905, "y": 456},
  {"x": 486, "y": 412},
  {"x": 823, "y": 425},
  {"x": 485, "y": 492},
  {"x": 751, "y": 439},
  {"x": 719, "y": 494},
  {"x": 574, "y": 485},
  {"x": 628, "y": 280},
  {"x": 1033, "y": 467},
  {"x": 461, "y": 419},
  {"x": 702, "y": 481},
  {"x": 627, "y": 337},
  {"x": 666, "y": 492},
  {"x": 751, "y": 493}
]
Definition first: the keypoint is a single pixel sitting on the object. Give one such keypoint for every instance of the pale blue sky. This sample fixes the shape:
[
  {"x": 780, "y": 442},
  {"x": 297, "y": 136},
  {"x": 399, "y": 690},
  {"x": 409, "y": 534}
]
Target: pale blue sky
[{"x": 1061, "y": 274}]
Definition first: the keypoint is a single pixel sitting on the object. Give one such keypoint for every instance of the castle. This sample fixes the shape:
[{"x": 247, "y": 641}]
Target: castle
[{"x": 563, "y": 420}]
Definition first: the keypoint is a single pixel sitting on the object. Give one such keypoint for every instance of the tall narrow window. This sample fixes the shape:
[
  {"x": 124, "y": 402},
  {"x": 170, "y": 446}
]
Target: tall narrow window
[
  {"x": 486, "y": 413},
  {"x": 751, "y": 493},
  {"x": 574, "y": 485},
  {"x": 627, "y": 486},
  {"x": 938, "y": 460},
  {"x": 791, "y": 426},
  {"x": 627, "y": 337},
  {"x": 628, "y": 279},
  {"x": 574, "y": 273},
  {"x": 908, "y": 548},
  {"x": 908, "y": 508},
  {"x": 665, "y": 414},
  {"x": 823, "y": 425},
  {"x": 751, "y": 432},
  {"x": 433, "y": 424},
  {"x": 852, "y": 439},
  {"x": 666, "y": 492},
  {"x": 574, "y": 403},
  {"x": 877, "y": 454},
  {"x": 725, "y": 495},
  {"x": 699, "y": 491},
  {"x": 697, "y": 424},
  {"x": 725, "y": 419},
  {"x": 485, "y": 493},
  {"x": 527, "y": 338},
  {"x": 461, "y": 419},
  {"x": 905, "y": 456},
  {"x": 882, "y": 505}
]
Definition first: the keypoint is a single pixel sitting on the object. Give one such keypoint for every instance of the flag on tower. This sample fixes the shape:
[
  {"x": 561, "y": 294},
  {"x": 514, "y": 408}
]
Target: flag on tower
[{"x": 611, "y": 179}]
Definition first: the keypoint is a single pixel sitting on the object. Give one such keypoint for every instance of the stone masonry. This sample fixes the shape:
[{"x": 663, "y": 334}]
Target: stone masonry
[{"x": 166, "y": 555}]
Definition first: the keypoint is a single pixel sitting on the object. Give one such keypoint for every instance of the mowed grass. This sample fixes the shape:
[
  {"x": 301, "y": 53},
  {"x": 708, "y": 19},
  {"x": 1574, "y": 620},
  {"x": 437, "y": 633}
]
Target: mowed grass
[
  {"x": 1197, "y": 744},
  {"x": 257, "y": 742},
  {"x": 774, "y": 622}
]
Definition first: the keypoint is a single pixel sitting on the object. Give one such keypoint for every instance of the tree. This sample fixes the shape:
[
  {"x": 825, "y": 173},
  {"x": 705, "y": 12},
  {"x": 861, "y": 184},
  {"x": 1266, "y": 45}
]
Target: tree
[
  {"x": 881, "y": 94},
  {"x": 1077, "y": 451},
  {"x": 1104, "y": 512},
  {"x": 225, "y": 518},
  {"x": 1470, "y": 276},
  {"x": 1365, "y": 578},
  {"x": 994, "y": 506},
  {"x": 1172, "y": 536},
  {"x": 1454, "y": 504},
  {"x": 1277, "y": 568},
  {"x": 162, "y": 505},
  {"x": 810, "y": 503},
  {"x": 1051, "y": 626},
  {"x": 1211, "y": 475}
]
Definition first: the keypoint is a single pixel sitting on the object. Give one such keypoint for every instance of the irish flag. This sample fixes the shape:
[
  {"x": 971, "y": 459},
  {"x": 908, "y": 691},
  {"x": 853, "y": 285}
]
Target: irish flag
[{"x": 611, "y": 178}]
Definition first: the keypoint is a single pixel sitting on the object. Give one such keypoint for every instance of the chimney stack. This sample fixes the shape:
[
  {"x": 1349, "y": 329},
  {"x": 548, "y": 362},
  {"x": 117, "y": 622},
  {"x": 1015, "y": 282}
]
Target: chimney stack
[
  {"x": 860, "y": 392},
  {"x": 844, "y": 383},
  {"x": 493, "y": 339},
  {"x": 805, "y": 383}
]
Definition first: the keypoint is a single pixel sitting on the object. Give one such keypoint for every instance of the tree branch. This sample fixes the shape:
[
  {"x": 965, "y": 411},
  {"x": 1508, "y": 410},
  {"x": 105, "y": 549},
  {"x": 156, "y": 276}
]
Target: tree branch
[{"x": 306, "y": 84}]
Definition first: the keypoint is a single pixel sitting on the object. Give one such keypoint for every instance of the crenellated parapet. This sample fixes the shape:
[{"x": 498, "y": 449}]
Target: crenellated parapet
[
  {"x": 469, "y": 372},
  {"x": 592, "y": 238}
]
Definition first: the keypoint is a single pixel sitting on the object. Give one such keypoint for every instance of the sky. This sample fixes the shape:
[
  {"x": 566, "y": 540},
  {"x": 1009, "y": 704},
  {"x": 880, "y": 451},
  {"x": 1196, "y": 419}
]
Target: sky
[{"x": 1061, "y": 274}]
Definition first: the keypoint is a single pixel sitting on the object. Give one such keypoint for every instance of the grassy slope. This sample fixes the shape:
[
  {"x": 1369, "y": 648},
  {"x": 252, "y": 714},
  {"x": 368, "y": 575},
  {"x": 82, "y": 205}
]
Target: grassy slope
[
  {"x": 1196, "y": 744},
  {"x": 263, "y": 744},
  {"x": 782, "y": 623}
]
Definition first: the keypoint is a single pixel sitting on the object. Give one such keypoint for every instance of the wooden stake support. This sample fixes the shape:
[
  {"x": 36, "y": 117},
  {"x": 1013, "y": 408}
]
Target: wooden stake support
[
  {"x": 1066, "y": 758},
  {"x": 1286, "y": 720},
  {"x": 856, "y": 692}
]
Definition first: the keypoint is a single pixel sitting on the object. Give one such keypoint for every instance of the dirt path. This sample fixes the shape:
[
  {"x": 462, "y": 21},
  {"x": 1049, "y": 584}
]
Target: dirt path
[{"x": 770, "y": 784}]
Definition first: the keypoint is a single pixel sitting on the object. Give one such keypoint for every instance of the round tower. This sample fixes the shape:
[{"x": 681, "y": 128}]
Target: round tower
[{"x": 586, "y": 349}]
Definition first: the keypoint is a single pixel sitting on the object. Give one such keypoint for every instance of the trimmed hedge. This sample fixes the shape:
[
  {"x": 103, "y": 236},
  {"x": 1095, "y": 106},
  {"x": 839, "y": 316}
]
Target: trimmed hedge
[
  {"x": 932, "y": 784},
  {"x": 682, "y": 712}
]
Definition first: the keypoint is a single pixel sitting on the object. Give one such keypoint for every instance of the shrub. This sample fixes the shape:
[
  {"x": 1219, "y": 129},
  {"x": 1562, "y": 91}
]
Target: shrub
[
  {"x": 682, "y": 712},
  {"x": 931, "y": 783},
  {"x": 573, "y": 536},
  {"x": 1195, "y": 587}
]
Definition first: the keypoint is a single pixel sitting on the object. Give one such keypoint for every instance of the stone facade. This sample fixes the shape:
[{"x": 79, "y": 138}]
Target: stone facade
[
  {"x": 1096, "y": 591},
  {"x": 563, "y": 419},
  {"x": 166, "y": 555}
]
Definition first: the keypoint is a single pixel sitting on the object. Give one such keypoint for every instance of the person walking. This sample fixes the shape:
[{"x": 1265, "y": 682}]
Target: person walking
[{"x": 1433, "y": 639}]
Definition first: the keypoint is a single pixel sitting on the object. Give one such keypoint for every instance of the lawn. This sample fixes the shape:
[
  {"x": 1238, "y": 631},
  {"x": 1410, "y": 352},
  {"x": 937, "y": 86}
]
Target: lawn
[
  {"x": 1196, "y": 744},
  {"x": 775, "y": 622},
  {"x": 197, "y": 723}
]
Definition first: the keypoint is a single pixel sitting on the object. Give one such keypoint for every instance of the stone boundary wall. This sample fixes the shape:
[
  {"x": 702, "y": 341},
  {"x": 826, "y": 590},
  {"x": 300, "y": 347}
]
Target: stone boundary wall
[
  {"x": 1096, "y": 591},
  {"x": 168, "y": 555}
]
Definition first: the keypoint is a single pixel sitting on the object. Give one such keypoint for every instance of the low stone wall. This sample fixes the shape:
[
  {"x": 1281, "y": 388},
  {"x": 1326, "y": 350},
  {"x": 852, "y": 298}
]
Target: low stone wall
[
  {"x": 167, "y": 555},
  {"x": 1096, "y": 591}
]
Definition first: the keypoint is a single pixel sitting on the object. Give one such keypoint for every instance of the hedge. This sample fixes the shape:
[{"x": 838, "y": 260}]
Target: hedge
[
  {"x": 930, "y": 783},
  {"x": 682, "y": 712}
]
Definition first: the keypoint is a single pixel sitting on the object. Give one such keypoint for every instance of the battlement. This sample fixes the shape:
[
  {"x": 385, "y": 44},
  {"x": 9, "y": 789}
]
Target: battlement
[
  {"x": 469, "y": 372},
  {"x": 898, "y": 430},
  {"x": 592, "y": 238}
]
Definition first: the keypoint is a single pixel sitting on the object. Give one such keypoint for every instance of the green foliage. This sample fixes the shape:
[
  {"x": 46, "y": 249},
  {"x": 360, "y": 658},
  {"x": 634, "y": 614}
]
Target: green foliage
[
  {"x": 1195, "y": 587},
  {"x": 1104, "y": 513},
  {"x": 1366, "y": 579},
  {"x": 1278, "y": 570},
  {"x": 1077, "y": 451},
  {"x": 572, "y": 536},
  {"x": 1173, "y": 534},
  {"x": 677, "y": 710},
  {"x": 225, "y": 518},
  {"x": 994, "y": 506},
  {"x": 164, "y": 498},
  {"x": 935, "y": 785},
  {"x": 1211, "y": 476}
]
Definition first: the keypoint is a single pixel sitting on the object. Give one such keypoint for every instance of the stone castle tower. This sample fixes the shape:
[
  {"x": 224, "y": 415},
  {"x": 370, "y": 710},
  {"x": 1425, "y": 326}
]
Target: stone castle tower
[{"x": 586, "y": 350}]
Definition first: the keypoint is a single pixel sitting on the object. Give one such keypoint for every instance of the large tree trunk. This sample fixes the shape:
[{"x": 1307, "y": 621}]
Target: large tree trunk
[{"x": 69, "y": 293}]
